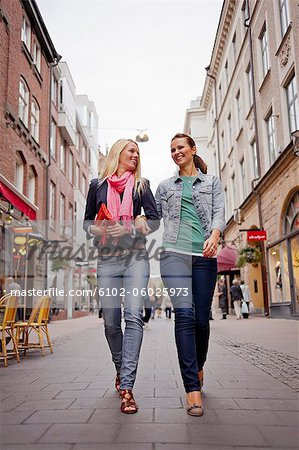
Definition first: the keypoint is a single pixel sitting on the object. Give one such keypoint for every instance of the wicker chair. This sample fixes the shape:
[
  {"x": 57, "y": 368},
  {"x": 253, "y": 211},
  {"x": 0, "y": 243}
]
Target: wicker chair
[
  {"x": 8, "y": 305},
  {"x": 36, "y": 324}
]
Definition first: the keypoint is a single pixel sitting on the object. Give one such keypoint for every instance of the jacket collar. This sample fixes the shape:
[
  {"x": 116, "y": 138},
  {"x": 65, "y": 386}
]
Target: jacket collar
[{"x": 200, "y": 176}]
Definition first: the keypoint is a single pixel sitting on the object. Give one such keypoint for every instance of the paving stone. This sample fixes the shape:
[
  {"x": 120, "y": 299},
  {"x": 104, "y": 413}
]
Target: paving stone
[
  {"x": 180, "y": 416},
  {"x": 60, "y": 416},
  {"x": 86, "y": 393},
  {"x": 115, "y": 446},
  {"x": 269, "y": 404},
  {"x": 280, "y": 437},
  {"x": 14, "y": 417},
  {"x": 288, "y": 418},
  {"x": 166, "y": 402},
  {"x": 152, "y": 433},
  {"x": 96, "y": 403},
  {"x": 45, "y": 404},
  {"x": 80, "y": 433},
  {"x": 36, "y": 447},
  {"x": 66, "y": 386},
  {"x": 18, "y": 434},
  {"x": 114, "y": 416},
  {"x": 226, "y": 435},
  {"x": 247, "y": 417}
]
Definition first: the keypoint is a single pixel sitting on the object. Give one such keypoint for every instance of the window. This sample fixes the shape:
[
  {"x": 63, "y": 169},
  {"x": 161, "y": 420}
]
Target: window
[
  {"x": 19, "y": 183},
  {"x": 226, "y": 203},
  {"x": 230, "y": 131},
  {"x": 234, "y": 48},
  {"x": 61, "y": 213},
  {"x": 62, "y": 156},
  {"x": 243, "y": 178},
  {"x": 265, "y": 50},
  {"x": 226, "y": 73},
  {"x": 84, "y": 154},
  {"x": 234, "y": 192},
  {"x": 284, "y": 15},
  {"x": 26, "y": 33},
  {"x": 292, "y": 103},
  {"x": 36, "y": 55},
  {"x": 84, "y": 185},
  {"x": 239, "y": 112},
  {"x": 291, "y": 219},
  {"x": 54, "y": 90},
  {"x": 245, "y": 9},
  {"x": 70, "y": 224},
  {"x": 52, "y": 204},
  {"x": 23, "y": 102},
  {"x": 254, "y": 160},
  {"x": 77, "y": 175},
  {"x": 53, "y": 139},
  {"x": 70, "y": 167},
  {"x": 35, "y": 120},
  {"x": 271, "y": 137},
  {"x": 223, "y": 153},
  {"x": 31, "y": 185},
  {"x": 220, "y": 94},
  {"x": 249, "y": 84}
]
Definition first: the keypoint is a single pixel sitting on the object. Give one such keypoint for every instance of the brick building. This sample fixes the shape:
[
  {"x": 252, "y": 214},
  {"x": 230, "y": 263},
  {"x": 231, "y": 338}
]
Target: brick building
[
  {"x": 26, "y": 56},
  {"x": 251, "y": 102}
]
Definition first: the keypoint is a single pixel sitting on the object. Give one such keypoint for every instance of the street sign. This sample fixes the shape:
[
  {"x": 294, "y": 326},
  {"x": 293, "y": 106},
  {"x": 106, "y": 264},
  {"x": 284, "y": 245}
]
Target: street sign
[{"x": 254, "y": 235}]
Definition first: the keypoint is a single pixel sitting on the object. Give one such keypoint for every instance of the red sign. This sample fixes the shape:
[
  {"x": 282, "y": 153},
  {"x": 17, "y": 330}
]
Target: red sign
[{"x": 255, "y": 235}]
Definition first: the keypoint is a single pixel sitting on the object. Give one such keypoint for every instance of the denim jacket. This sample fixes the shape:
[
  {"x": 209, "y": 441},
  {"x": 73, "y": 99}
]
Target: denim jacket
[{"x": 208, "y": 199}]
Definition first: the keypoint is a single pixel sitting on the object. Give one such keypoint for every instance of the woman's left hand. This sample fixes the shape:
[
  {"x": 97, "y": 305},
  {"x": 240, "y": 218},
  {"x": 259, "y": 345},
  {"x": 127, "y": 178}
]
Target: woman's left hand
[
  {"x": 116, "y": 230},
  {"x": 210, "y": 247}
]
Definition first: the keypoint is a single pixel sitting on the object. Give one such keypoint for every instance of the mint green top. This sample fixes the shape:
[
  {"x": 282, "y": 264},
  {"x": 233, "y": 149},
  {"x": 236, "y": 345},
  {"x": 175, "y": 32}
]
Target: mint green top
[{"x": 191, "y": 235}]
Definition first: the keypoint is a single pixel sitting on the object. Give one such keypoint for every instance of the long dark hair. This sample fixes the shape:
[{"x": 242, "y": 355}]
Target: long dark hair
[{"x": 198, "y": 161}]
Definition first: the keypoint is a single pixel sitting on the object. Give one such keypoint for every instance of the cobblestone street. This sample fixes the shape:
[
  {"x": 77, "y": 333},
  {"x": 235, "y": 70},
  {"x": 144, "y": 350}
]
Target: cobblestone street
[{"x": 67, "y": 400}]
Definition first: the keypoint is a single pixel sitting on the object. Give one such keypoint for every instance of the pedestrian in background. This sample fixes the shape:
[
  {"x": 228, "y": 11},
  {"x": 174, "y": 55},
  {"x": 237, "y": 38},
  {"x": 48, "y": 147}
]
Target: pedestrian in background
[
  {"x": 192, "y": 206},
  {"x": 246, "y": 296},
  {"x": 167, "y": 305},
  {"x": 147, "y": 312},
  {"x": 236, "y": 296},
  {"x": 222, "y": 293},
  {"x": 123, "y": 264}
]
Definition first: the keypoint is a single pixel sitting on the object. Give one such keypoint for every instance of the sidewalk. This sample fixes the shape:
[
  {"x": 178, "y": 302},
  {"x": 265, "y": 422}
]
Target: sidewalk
[{"x": 67, "y": 400}]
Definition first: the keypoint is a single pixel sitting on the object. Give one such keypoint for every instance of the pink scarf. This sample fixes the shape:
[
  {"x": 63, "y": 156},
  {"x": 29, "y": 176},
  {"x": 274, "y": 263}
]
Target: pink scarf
[{"x": 117, "y": 185}]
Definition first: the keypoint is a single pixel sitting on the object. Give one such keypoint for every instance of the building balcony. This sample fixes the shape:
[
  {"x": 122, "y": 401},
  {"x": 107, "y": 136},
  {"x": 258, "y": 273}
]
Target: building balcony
[{"x": 66, "y": 126}]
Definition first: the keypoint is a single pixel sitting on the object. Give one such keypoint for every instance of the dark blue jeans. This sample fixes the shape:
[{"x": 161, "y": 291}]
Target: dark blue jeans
[{"x": 190, "y": 281}]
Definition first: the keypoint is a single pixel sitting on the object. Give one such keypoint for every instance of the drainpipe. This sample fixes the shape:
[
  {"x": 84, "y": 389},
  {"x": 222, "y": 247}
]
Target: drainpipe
[
  {"x": 216, "y": 119},
  {"x": 247, "y": 24},
  {"x": 52, "y": 65}
]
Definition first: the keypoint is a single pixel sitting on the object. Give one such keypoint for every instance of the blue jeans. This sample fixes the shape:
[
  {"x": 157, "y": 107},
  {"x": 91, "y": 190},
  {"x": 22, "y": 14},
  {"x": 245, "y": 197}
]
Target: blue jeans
[
  {"x": 123, "y": 277},
  {"x": 196, "y": 276}
]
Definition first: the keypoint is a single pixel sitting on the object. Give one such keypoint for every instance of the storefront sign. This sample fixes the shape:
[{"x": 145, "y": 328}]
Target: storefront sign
[{"x": 255, "y": 235}]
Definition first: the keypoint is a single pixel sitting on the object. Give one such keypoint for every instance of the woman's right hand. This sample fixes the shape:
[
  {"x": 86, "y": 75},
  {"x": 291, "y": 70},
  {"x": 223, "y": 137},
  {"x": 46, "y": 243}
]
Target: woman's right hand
[{"x": 98, "y": 230}]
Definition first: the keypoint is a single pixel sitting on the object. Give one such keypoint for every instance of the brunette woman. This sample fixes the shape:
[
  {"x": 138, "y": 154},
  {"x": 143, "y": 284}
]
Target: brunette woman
[{"x": 192, "y": 206}]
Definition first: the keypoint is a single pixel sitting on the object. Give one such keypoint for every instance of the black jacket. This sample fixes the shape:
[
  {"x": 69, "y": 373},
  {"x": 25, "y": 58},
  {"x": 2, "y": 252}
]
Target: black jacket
[
  {"x": 97, "y": 195},
  {"x": 236, "y": 292}
]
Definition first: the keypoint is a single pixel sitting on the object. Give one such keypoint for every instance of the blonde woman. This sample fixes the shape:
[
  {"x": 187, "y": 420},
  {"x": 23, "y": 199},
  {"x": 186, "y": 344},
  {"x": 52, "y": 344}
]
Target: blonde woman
[{"x": 123, "y": 266}]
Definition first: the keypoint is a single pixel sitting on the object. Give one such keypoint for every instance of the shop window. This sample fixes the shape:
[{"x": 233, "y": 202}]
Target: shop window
[
  {"x": 291, "y": 218},
  {"x": 279, "y": 274}
]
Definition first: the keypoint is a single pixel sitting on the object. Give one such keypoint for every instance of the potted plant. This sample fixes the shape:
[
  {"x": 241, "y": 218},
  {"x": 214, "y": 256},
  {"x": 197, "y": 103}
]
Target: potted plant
[{"x": 249, "y": 255}]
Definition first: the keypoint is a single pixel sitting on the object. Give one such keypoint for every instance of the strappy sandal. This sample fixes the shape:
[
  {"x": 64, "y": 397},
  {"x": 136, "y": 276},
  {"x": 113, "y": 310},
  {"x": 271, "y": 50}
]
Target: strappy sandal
[
  {"x": 128, "y": 404},
  {"x": 195, "y": 409},
  {"x": 117, "y": 382}
]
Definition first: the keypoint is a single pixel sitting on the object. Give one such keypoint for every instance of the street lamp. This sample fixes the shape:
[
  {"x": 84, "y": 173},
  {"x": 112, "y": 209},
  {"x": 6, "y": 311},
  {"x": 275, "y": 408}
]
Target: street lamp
[
  {"x": 142, "y": 137},
  {"x": 295, "y": 137}
]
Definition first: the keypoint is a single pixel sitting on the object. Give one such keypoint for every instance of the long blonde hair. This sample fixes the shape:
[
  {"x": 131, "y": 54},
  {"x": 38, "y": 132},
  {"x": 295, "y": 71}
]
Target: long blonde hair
[{"x": 112, "y": 160}]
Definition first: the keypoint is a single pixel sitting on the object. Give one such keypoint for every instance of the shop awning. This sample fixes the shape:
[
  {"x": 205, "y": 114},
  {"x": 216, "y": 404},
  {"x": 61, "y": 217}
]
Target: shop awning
[
  {"x": 227, "y": 258},
  {"x": 17, "y": 202}
]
